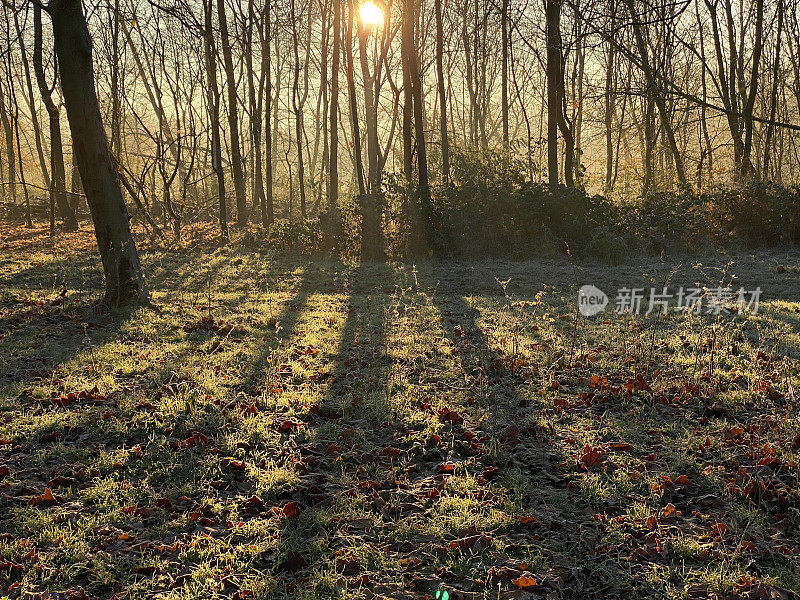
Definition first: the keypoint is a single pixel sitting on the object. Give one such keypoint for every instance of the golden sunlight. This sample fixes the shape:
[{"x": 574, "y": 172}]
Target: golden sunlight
[{"x": 371, "y": 14}]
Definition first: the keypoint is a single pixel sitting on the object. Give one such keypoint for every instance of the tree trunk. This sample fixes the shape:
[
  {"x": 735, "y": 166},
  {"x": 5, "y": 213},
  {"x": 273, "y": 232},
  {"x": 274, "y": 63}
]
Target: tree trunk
[
  {"x": 266, "y": 49},
  {"x": 658, "y": 97},
  {"x": 406, "y": 46},
  {"x": 213, "y": 101},
  {"x": 351, "y": 92},
  {"x": 29, "y": 97},
  {"x": 123, "y": 274},
  {"x": 58, "y": 178},
  {"x": 116, "y": 92},
  {"x": 233, "y": 117},
  {"x": 748, "y": 168},
  {"x": 609, "y": 114},
  {"x": 297, "y": 105},
  {"x": 333, "y": 168},
  {"x": 10, "y": 190},
  {"x": 256, "y": 99},
  {"x": 774, "y": 97},
  {"x": 371, "y": 246},
  {"x": 504, "y": 70},
  {"x": 423, "y": 180},
  {"x": 442, "y": 92},
  {"x": 553, "y": 19}
]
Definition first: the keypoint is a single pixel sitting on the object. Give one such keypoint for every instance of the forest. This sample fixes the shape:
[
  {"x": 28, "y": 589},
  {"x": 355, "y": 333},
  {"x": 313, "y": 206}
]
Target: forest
[{"x": 400, "y": 299}]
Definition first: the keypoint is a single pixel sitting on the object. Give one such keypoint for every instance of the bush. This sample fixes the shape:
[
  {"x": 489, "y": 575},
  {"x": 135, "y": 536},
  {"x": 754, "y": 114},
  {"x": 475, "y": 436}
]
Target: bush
[
  {"x": 303, "y": 238},
  {"x": 491, "y": 209},
  {"x": 666, "y": 221},
  {"x": 758, "y": 215}
]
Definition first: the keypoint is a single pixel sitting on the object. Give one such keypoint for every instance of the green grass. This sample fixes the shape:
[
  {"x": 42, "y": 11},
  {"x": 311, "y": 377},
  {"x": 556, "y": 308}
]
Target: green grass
[{"x": 278, "y": 427}]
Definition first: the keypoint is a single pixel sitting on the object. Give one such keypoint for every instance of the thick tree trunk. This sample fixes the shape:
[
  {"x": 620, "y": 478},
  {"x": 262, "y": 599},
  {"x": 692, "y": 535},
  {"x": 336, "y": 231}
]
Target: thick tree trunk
[
  {"x": 123, "y": 274},
  {"x": 423, "y": 180}
]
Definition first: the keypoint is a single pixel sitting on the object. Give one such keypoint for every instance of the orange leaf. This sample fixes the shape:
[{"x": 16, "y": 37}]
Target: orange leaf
[
  {"x": 524, "y": 582},
  {"x": 669, "y": 511}
]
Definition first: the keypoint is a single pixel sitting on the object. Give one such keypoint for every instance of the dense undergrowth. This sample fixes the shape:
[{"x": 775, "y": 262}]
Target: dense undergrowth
[{"x": 493, "y": 209}]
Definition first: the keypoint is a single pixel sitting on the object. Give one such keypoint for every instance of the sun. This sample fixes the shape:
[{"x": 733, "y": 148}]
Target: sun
[{"x": 371, "y": 14}]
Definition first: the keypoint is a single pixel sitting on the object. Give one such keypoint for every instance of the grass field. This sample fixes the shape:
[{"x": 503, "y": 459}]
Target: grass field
[{"x": 307, "y": 428}]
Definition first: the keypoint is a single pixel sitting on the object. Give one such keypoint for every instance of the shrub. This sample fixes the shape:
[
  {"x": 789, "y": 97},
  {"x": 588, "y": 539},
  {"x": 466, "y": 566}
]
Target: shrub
[
  {"x": 761, "y": 214},
  {"x": 300, "y": 238},
  {"x": 491, "y": 209},
  {"x": 666, "y": 221}
]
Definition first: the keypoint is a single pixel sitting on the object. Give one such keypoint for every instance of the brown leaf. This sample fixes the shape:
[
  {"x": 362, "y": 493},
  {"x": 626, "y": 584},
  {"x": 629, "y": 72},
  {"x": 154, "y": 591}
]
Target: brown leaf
[
  {"x": 591, "y": 456},
  {"x": 290, "y": 510},
  {"x": 637, "y": 384},
  {"x": 294, "y": 562},
  {"x": 45, "y": 500}
]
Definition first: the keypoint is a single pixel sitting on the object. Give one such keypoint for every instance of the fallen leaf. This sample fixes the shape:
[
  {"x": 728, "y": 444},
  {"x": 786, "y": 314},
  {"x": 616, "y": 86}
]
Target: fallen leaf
[
  {"x": 524, "y": 582},
  {"x": 591, "y": 456},
  {"x": 45, "y": 500},
  {"x": 294, "y": 562}
]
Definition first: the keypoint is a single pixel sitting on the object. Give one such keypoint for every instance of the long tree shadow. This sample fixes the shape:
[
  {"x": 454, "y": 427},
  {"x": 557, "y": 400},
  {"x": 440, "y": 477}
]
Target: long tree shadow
[
  {"x": 534, "y": 472},
  {"x": 279, "y": 328}
]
